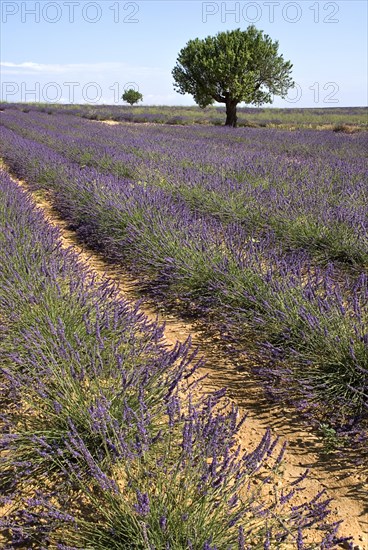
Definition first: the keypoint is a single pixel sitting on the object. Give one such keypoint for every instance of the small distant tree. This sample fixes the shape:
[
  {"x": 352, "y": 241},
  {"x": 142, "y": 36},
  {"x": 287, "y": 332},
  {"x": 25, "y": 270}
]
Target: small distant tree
[
  {"x": 132, "y": 96},
  {"x": 232, "y": 67}
]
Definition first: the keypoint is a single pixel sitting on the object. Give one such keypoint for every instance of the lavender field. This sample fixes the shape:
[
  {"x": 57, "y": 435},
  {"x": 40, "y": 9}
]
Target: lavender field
[
  {"x": 263, "y": 232},
  {"x": 260, "y": 233},
  {"x": 107, "y": 444},
  {"x": 339, "y": 119}
]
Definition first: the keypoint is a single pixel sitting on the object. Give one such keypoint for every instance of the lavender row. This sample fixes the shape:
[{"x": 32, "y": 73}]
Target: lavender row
[
  {"x": 307, "y": 190},
  {"x": 100, "y": 422},
  {"x": 312, "y": 331}
]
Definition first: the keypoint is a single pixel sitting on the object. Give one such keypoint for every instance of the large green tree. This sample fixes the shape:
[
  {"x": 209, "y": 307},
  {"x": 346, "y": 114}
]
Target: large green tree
[{"x": 232, "y": 67}]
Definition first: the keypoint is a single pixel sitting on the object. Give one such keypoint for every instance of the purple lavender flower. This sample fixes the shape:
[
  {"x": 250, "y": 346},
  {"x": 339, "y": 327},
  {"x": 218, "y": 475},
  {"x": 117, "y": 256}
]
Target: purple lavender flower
[{"x": 143, "y": 504}]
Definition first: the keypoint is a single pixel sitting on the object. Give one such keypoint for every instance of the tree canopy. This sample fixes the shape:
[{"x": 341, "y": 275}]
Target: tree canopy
[
  {"x": 232, "y": 67},
  {"x": 132, "y": 96}
]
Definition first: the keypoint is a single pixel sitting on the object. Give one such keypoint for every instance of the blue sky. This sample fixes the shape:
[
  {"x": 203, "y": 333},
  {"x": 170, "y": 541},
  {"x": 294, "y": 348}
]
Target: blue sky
[{"x": 89, "y": 51}]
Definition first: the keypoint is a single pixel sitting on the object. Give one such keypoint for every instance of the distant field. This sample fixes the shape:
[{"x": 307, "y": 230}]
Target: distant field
[{"x": 345, "y": 119}]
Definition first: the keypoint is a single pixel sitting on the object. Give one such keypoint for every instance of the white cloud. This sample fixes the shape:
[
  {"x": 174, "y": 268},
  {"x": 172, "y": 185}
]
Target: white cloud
[{"x": 31, "y": 68}]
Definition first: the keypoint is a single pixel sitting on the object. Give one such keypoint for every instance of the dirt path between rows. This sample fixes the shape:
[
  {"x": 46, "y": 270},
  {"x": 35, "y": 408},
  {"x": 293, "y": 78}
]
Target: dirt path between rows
[{"x": 349, "y": 489}]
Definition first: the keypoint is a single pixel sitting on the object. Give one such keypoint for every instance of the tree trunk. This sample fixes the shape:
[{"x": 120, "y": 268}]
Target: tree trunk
[{"x": 231, "y": 118}]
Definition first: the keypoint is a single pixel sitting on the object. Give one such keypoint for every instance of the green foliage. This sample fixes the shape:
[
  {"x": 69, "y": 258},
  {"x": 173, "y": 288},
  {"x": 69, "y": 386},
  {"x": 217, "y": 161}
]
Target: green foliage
[
  {"x": 132, "y": 96},
  {"x": 232, "y": 67}
]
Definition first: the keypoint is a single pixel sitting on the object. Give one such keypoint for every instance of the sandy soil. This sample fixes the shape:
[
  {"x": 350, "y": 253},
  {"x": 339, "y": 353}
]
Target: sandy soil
[
  {"x": 348, "y": 488},
  {"x": 110, "y": 122}
]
